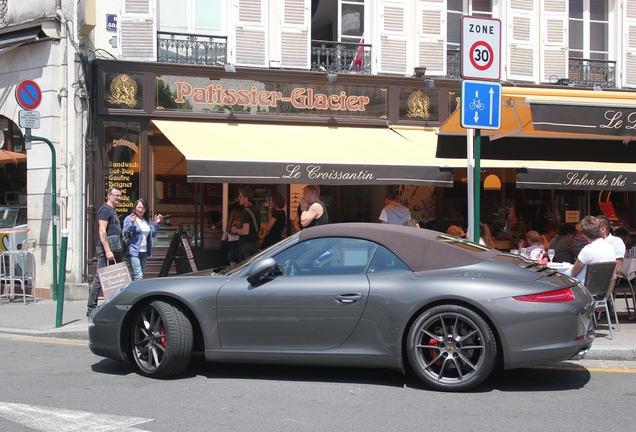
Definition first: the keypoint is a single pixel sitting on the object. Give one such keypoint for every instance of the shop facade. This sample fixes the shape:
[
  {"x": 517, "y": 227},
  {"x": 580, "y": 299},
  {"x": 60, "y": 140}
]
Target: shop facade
[{"x": 186, "y": 138}]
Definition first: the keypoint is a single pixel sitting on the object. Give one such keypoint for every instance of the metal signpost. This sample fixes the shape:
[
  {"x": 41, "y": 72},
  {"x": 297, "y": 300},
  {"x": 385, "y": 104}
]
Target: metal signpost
[
  {"x": 481, "y": 100},
  {"x": 29, "y": 96}
]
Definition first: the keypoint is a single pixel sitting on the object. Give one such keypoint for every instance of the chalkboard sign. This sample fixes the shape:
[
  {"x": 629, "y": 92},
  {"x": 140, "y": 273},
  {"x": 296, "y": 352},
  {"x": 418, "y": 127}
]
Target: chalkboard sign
[
  {"x": 179, "y": 251},
  {"x": 517, "y": 233}
]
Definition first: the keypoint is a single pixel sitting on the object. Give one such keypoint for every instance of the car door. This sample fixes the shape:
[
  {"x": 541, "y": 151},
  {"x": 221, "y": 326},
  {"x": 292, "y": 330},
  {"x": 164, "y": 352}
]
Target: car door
[{"x": 315, "y": 303}]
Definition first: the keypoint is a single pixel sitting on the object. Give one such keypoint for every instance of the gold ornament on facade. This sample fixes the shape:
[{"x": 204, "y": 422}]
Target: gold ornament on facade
[
  {"x": 418, "y": 104},
  {"x": 123, "y": 90}
]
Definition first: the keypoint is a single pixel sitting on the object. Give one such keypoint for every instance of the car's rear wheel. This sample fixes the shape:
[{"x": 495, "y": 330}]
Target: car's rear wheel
[
  {"x": 451, "y": 348},
  {"x": 161, "y": 340}
]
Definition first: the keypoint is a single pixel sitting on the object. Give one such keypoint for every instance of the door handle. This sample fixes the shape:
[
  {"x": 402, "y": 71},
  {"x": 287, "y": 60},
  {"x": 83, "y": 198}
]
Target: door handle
[{"x": 348, "y": 298}]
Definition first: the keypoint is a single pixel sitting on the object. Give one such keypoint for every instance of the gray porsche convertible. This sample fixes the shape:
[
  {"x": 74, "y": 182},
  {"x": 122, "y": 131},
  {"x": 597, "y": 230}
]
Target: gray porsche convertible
[{"x": 355, "y": 294}]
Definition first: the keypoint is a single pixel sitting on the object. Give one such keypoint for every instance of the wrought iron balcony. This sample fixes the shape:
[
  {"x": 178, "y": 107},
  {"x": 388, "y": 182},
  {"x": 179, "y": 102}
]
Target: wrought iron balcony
[
  {"x": 592, "y": 73},
  {"x": 184, "y": 48},
  {"x": 452, "y": 64},
  {"x": 340, "y": 57}
]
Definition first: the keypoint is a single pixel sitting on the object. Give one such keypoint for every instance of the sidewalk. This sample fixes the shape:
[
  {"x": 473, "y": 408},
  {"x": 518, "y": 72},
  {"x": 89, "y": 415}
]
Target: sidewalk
[{"x": 38, "y": 320}]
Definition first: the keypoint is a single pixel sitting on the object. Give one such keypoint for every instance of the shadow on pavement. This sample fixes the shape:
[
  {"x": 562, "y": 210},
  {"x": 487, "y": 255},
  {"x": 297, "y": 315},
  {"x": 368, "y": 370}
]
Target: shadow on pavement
[{"x": 539, "y": 379}]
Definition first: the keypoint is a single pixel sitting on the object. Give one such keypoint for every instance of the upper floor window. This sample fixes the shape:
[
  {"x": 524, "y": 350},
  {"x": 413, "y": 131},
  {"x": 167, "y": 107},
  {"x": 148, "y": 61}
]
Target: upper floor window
[
  {"x": 204, "y": 17},
  {"x": 588, "y": 29},
  {"x": 455, "y": 9},
  {"x": 352, "y": 21}
]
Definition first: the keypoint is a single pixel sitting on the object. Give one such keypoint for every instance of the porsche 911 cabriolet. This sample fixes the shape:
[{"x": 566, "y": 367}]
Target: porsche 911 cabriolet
[{"x": 355, "y": 294}]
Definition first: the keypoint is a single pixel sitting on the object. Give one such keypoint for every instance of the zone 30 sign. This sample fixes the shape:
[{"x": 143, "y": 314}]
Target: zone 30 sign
[{"x": 481, "y": 48}]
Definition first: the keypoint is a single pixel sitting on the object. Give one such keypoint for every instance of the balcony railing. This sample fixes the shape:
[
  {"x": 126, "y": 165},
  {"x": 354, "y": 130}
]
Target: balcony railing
[
  {"x": 184, "y": 48},
  {"x": 452, "y": 64},
  {"x": 592, "y": 73},
  {"x": 340, "y": 57}
]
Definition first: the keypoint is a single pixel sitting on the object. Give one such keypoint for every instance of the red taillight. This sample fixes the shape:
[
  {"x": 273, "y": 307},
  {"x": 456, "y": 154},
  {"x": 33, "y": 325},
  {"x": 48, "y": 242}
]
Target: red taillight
[{"x": 558, "y": 296}]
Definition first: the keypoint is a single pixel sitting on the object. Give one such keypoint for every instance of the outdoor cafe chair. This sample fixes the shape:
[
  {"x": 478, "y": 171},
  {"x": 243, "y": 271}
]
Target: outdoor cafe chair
[{"x": 598, "y": 278}]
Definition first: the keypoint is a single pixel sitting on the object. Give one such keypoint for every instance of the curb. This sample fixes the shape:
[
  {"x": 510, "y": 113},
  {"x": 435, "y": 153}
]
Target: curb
[
  {"x": 617, "y": 353},
  {"x": 61, "y": 333},
  {"x": 602, "y": 352}
]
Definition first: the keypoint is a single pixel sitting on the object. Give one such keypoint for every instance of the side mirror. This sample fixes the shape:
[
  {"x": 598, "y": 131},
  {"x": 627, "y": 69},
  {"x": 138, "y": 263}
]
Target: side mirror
[{"x": 259, "y": 268}]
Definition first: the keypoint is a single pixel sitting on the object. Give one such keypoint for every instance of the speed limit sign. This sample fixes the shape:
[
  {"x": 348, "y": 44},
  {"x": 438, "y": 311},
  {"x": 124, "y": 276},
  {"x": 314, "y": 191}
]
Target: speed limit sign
[{"x": 481, "y": 48}]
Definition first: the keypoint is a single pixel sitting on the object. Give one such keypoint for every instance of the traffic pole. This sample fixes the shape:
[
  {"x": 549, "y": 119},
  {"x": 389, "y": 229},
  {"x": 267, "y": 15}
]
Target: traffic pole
[
  {"x": 62, "y": 281},
  {"x": 477, "y": 187},
  {"x": 29, "y": 138}
]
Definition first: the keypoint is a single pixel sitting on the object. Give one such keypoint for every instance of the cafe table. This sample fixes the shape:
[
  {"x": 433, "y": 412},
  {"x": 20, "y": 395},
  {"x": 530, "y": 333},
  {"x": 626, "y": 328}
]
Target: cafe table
[{"x": 8, "y": 261}]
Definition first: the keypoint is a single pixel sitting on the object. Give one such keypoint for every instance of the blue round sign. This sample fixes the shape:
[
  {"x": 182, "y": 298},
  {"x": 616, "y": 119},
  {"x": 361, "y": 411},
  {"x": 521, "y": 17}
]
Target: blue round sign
[{"x": 28, "y": 94}]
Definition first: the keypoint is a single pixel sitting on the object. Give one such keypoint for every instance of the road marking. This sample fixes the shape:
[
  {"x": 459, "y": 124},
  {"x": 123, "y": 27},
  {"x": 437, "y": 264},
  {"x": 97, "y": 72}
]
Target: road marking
[
  {"x": 47, "y": 419},
  {"x": 589, "y": 369},
  {"x": 50, "y": 341}
]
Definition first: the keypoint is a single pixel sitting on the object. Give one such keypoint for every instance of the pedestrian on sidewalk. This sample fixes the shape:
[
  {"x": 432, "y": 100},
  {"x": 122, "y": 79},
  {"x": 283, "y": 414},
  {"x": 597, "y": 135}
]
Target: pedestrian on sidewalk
[
  {"x": 140, "y": 231},
  {"x": 109, "y": 246}
]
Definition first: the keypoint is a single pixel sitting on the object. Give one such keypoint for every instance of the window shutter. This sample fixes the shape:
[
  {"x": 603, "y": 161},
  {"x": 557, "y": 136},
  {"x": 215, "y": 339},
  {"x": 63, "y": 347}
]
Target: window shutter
[
  {"x": 629, "y": 59},
  {"x": 431, "y": 48},
  {"x": 521, "y": 52},
  {"x": 136, "y": 30},
  {"x": 250, "y": 38},
  {"x": 392, "y": 56},
  {"x": 554, "y": 51},
  {"x": 295, "y": 30}
]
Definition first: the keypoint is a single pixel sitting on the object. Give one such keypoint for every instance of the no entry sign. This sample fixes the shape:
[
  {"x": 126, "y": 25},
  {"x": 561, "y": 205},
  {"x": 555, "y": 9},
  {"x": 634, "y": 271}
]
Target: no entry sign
[
  {"x": 481, "y": 48},
  {"x": 28, "y": 94}
]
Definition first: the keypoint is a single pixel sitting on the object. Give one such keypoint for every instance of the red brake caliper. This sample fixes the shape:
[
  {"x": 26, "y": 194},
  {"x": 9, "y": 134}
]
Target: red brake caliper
[
  {"x": 433, "y": 352},
  {"x": 162, "y": 331}
]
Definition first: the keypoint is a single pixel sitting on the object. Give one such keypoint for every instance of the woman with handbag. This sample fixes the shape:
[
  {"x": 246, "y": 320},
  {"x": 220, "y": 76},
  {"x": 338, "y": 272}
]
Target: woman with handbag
[
  {"x": 229, "y": 241},
  {"x": 276, "y": 222},
  {"x": 140, "y": 232}
]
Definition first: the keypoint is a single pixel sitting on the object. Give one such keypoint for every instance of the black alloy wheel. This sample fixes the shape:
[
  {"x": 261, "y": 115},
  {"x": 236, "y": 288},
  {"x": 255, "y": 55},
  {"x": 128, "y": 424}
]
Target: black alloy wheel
[
  {"x": 451, "y": 348},
  {"x": 162, "y": 340}
]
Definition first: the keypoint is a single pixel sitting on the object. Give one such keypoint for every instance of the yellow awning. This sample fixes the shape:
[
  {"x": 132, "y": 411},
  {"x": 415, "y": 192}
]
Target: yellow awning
[
  {"x": 544, "y": 174},
  {"x": 257, "y": 153}
]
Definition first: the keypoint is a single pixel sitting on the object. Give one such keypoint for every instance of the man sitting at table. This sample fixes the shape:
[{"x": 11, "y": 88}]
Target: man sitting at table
[
  {"x": 598, "y": 250},
  {"x": 617, "y": 244},
  {"x": 565, "y": 249},
  {"x": 628, "y": 241}
]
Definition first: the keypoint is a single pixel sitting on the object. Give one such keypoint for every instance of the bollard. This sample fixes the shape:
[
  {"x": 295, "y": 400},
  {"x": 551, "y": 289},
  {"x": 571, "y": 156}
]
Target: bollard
[{"x": 62, "y": 281}]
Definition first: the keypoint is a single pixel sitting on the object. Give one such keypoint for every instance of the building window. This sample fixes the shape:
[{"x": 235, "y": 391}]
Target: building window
[
  {"x": 588, "y": 29},
  {"x": 204, "y": 17},
  {"x": 454, "y": 12}
]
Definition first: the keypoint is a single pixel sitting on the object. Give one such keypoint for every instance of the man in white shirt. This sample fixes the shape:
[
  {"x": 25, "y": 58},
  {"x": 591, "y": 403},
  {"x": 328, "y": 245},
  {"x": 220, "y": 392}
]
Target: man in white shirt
[
  {"x": 617, "y": 244},
  {"x": 598, "y": 250}
]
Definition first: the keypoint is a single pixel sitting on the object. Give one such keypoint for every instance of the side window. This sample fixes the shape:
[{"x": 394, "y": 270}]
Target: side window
[
  {"x": 326, "y": 256},
  {"x": 385, "y": 261}
]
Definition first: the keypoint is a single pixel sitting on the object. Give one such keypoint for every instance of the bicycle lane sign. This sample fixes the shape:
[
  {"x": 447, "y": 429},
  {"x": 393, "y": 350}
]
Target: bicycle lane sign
[{"x": 480, "y": 105}]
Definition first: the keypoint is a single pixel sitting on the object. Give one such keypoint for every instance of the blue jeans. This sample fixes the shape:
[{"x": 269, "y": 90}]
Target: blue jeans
[{"x": 138, "y": 264}]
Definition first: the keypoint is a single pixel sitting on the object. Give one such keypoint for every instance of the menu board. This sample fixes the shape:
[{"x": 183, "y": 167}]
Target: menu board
[{"x": 122, "y": 162}]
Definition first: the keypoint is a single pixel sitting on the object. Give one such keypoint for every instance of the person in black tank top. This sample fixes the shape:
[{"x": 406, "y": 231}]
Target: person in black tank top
[{"x": 314, "y": 211}]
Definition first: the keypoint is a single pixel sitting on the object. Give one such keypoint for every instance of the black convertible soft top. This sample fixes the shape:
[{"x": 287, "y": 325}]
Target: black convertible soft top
[{"x": 420, "y": 249}]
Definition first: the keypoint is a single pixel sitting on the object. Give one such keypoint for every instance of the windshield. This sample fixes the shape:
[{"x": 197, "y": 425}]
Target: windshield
[
  {"x": 8, "y": 217},
  {"x": 283, "y": 243}
]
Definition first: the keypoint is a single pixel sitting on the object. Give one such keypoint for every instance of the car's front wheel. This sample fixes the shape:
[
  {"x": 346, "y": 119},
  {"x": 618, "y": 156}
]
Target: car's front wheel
[
  {"x": 451, "y": 348},
  {"x": 161, "y": 340}
]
